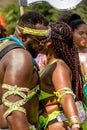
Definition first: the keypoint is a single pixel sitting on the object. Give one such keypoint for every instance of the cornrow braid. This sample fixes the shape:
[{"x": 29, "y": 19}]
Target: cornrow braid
[{"x": 65, "y": 49}]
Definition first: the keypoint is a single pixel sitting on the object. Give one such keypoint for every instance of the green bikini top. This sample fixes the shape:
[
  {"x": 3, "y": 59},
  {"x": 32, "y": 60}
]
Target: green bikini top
[
  {"x": 43, "y": 94},
  {"x": 67, "y": 90}
]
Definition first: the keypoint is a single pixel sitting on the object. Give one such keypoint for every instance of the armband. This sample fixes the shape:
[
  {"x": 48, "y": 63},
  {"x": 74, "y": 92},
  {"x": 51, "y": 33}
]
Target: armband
[
  {"x": 67, "y": 91},
  {"x": 14, "y": 105}
]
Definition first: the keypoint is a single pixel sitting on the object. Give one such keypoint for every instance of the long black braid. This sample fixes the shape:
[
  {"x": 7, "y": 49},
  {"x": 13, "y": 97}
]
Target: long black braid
[{"x": 65, "y": 49}]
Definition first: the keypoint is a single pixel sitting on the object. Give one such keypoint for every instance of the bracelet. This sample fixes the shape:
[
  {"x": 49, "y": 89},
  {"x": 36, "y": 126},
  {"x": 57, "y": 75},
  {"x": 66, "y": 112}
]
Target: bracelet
[
  {"x": 74, "y": 120},
  {"x": 75, "y": 126}
]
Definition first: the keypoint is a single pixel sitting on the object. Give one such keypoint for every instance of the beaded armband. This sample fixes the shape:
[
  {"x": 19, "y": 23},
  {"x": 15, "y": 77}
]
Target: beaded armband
[
  {"x": 66, "y": 91},
  {"x": 14, "y": 90}
]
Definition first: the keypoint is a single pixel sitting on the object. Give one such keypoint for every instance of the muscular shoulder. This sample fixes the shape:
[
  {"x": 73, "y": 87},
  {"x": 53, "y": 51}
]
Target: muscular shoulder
[
  {"x": 19, "y": 66},
  {"x": 18, "y": 56}
]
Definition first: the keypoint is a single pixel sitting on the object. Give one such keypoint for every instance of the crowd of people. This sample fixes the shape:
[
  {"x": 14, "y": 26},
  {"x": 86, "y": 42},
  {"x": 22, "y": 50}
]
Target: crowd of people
[{"x": 43, "y": 76}]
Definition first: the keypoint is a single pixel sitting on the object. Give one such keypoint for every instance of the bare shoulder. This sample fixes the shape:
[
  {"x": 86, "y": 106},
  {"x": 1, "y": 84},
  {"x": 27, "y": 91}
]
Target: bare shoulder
[
  {"x": 19, "y": 66},
  {"x": 61, "y": 65},
  {"x": 18, "y": 56},
  {"x": 61, "y": 75}
]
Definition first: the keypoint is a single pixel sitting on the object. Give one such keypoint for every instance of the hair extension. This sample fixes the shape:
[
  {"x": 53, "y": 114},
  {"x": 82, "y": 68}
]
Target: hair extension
[{"x": 65, "y": 49}]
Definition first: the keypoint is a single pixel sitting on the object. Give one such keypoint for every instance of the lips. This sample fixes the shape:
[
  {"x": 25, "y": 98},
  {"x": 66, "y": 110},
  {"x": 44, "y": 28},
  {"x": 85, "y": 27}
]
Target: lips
[{"x": 84, "y": 41}]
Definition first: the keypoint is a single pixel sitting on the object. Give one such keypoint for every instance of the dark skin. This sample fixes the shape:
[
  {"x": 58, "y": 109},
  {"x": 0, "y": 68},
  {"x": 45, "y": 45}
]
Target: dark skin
[
  {"x": 80, "y": 38},
  {"x": 57, "y": 76},
  {"x": 16, "y": 68}
]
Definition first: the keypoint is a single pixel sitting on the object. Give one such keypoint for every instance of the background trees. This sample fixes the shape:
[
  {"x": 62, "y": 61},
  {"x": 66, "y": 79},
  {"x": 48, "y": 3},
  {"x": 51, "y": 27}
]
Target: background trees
[{"x": 11, "y": 11}]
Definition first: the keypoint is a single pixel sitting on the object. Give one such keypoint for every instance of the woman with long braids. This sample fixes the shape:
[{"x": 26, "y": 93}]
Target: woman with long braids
[
  {"x": 60, "y": 82},
  {"x": 79, "y": 28}
]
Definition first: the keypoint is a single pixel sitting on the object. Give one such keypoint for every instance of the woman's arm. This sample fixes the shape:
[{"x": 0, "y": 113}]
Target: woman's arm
[{"x": 62, "y": 78}]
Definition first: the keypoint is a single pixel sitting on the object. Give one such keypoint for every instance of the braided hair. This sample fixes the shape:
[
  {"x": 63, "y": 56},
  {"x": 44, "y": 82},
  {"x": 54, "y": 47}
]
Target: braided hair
[{"x": 65, "y": 49}]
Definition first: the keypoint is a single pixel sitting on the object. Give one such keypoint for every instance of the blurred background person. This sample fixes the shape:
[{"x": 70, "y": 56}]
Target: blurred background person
[{"x": 79, "y": 28}]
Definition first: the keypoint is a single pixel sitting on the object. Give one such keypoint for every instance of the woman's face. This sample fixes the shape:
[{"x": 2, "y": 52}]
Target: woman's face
[{"x": 80, "y": 36}]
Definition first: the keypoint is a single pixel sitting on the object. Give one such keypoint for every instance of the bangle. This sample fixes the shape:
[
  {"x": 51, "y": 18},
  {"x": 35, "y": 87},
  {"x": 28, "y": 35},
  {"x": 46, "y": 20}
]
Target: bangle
[
  {"x": 74, "y": 120},
  {"x": 75, "y": 126}
]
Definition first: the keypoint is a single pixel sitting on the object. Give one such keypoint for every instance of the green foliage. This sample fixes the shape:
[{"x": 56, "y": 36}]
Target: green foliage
[
  {"x": 45, "y": 9},
  {"x": 11, "y": 12},
  {"x": 82, "y": 10}
]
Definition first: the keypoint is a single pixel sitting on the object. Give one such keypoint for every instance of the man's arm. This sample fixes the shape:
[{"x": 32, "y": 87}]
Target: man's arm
[{"x": 17, "y": 76}]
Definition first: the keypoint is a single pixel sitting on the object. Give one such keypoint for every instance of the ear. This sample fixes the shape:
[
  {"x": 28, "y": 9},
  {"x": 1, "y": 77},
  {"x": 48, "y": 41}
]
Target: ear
[{"x": 18, "y": 31}]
